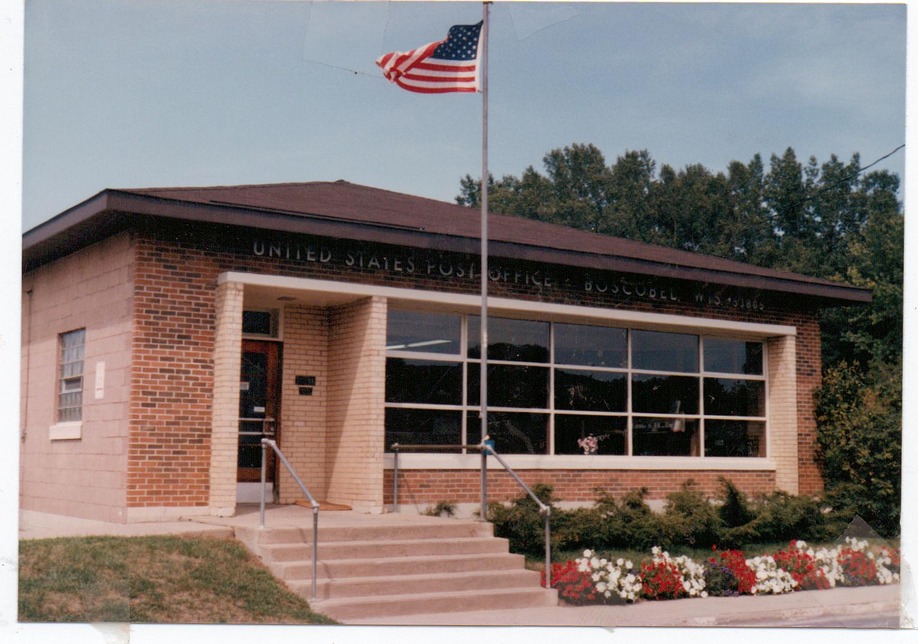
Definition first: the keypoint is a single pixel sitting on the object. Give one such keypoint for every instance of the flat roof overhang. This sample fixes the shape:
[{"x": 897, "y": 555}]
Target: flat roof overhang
[{"x": 113, "y": 211}]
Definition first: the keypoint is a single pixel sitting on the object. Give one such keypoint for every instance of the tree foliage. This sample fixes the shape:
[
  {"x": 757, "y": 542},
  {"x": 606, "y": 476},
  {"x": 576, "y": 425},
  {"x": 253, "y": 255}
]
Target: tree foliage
[
  {"x": 860, "y": 446},
  {"x": 831, "y": 220}
]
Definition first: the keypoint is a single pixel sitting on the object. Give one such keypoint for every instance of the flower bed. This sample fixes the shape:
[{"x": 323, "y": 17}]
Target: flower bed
[{"x": 593, "y": 579}]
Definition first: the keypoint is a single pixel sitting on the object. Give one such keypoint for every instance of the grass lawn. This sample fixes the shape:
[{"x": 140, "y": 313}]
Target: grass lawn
[{"x": 160, "y": 579}]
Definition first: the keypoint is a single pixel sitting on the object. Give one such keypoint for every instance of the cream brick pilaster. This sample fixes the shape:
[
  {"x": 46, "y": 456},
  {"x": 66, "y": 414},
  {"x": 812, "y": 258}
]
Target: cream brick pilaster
[
  {"x": 782, "y": 410},
  {"x": 356, "y": 404},
  {"x": 225, "y": 413}
]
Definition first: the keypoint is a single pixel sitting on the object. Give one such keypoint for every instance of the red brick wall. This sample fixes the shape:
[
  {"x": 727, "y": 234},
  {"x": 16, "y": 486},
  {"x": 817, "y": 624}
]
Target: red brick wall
[
  {"x": 464, "y": 486},
  {"x": 172, "y": 377}
]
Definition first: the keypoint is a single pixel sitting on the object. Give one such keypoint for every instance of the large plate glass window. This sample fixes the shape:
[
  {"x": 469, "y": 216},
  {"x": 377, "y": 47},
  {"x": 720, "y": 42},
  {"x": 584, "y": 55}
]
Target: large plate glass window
[{"x": 565, "y": 388}]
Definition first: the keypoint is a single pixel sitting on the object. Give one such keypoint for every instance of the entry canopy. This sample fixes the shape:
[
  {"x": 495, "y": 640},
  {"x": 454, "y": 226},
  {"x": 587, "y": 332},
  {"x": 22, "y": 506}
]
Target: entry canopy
[{"x": 343, "y": 210}]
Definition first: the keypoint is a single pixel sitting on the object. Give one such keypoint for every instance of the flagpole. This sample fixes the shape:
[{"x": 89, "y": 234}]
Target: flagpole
[{"x": 484, "y": 222}]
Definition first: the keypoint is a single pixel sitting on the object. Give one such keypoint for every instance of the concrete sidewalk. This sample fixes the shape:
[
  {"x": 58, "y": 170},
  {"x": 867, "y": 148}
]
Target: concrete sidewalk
[{"x": 772, "y": 610}]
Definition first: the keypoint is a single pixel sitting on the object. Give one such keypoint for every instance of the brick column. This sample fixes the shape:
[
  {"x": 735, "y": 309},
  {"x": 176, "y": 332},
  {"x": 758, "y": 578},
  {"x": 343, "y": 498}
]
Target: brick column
[
  {"x": 225, "y": 412},
  {"x": 782, "y": 410},
  {"x": 303, "y": 418},
  {"x": 356, "y": 404}
]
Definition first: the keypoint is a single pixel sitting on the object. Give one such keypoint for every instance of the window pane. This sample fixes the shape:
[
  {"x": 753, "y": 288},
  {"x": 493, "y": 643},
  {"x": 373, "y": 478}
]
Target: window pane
[
  {"x": 423, "y": 427},
  {"x": 665, "y": 437},
  {"x": 609, "y": 432},
  {"x": 73, "y": 339},
  {"x": 732, "y": 356},
  {"x": 734, "y": 397},
  {"x": 510, "y": 386},
  {"x": 657, "y": 351},
  {"x": 590, "y": 390},
  {"x": 423, "y": 381},
  {"x": 71, "y": 384},
  {"x": 426, "y": 332},
  {"x": 258, "y": 323},
  {"x": 664, "y": 394},
  {"x": 72, "y": 369},
  {"x": 512, "y": 340},
  {"x": 592, "y": 346},
  {"x": 512, "y": 433},
  {"x": 734, "y": 438}
]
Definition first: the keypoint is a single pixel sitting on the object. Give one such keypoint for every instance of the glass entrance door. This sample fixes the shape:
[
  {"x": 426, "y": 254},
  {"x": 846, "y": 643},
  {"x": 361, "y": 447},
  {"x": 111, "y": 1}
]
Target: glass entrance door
[{"x": 259, "y": 407}]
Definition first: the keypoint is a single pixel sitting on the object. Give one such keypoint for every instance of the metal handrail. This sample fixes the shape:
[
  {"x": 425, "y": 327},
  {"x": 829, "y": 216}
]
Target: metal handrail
[
  {"x": 265, "y": 443},
  {"x": 485, "y": 448}
]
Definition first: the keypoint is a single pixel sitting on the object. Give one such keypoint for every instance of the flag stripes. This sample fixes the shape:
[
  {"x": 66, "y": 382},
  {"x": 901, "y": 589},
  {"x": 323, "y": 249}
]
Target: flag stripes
[{"x": 449, "y": 65}]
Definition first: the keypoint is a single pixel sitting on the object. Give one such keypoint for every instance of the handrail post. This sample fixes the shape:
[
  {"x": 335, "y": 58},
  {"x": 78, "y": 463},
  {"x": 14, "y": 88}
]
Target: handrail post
[
  {"x": 265, "y": 443},
  {"x": 484, "y": 480},
  {"x": 548, "y": 548},
  {"x": 264, "y": 468},
  {"x": 395, "y": 447},
  {"x": 315, "y": 548}
]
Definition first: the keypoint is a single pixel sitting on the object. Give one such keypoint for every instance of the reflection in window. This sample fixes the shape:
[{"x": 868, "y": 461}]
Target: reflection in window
[
  {"x": 590, "y": 390},
  {"x": 658, "y": 351},
  {"x": 423, "y": 427},
  {"x": 423, "y": 332},
  {"x": 423, "y": 381},
  {"x": 591, "y": 346},
  {"x": 732, "y": 356},
  {"x": 512, "y": 433},
  {"x": 510, "y": 340},
  {"x": 610, "y": 433},
  {"x": 664, "y": 394},
  {"x": 734, "y": 438},
  {"x": 665, "y": 437},
  {"x": 510, "y": 386},
  {"x": 734, "y": 397}
]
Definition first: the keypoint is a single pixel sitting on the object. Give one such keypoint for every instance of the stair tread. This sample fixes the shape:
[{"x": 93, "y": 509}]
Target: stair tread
[
  {"x": 405, "y": 559},
  {"x": 376, "y": 542},
  {"x": 396, "y": 579},
  {"x": 445, "y": 594}
]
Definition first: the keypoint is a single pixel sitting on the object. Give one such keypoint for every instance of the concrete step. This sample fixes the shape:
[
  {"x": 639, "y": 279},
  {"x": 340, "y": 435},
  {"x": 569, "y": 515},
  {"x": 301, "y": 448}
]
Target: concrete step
[
  {"x": 390, "y": 548},
  {"x": 343, "y": 609},
  {"x": 374, "y": 567},
  {"x": 481, "y": 580},
  {"x": 445, "y": 530}
]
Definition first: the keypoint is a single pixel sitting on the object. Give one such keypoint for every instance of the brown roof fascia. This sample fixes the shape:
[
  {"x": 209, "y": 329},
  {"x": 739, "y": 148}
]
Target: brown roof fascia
[{"x": 112, "y": 210}]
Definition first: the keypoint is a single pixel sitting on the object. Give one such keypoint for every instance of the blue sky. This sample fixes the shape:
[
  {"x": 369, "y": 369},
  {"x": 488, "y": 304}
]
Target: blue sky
[{"x": 136, "y": 93}]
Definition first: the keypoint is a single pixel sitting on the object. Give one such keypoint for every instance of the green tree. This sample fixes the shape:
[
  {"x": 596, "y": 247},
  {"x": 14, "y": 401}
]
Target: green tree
[
  {"x": 860, "y": 446},
  {"x": 829, "y": 220}
]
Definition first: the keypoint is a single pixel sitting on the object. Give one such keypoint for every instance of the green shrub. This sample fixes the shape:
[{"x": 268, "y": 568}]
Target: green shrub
[
  {"x": 689, "y": 519},
  {"x": 633, "y": 524},
  {"x": 781, "y": 517},
  {"x": 521, "y": 522}
]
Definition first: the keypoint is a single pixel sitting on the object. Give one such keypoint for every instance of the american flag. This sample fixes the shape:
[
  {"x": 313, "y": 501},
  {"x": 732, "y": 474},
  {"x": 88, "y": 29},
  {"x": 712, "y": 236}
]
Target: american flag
[{"x": 449, "y": 65}]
